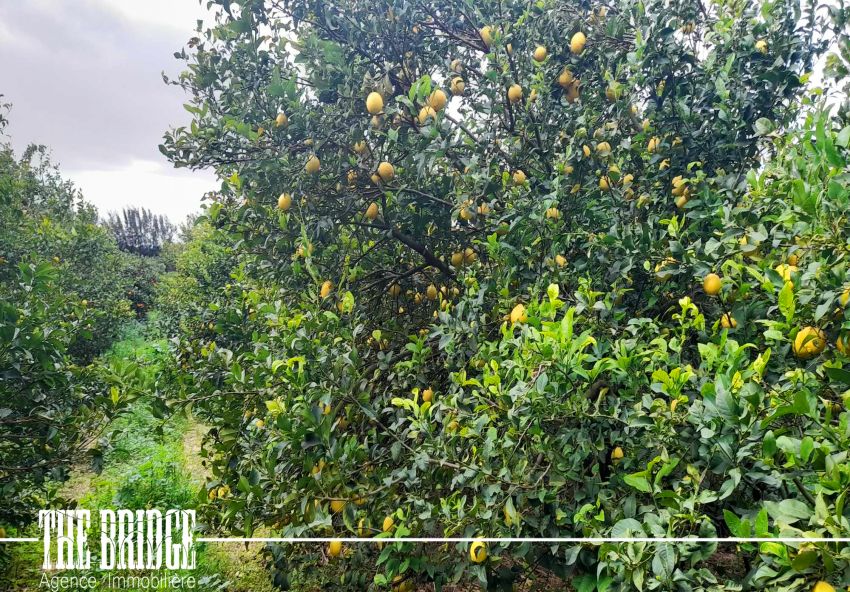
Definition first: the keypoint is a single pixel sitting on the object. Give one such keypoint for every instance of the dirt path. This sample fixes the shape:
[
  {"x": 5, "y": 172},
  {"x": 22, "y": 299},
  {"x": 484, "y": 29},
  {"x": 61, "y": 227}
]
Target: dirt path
[{"x": 242, "y": 565}]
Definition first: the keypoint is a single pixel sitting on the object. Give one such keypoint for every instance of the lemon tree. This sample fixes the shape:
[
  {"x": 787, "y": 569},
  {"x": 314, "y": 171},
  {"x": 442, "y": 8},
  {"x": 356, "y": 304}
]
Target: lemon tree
[
  {"x": 62, "y": 302},
  {"x": 510, "y": 270}
]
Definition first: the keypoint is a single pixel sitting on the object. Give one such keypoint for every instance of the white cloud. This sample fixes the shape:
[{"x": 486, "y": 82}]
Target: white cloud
[
  {"x": 84, "y": 78},
  {"x": 147, "y": 184},
  {"x": 181, "y": 15}
]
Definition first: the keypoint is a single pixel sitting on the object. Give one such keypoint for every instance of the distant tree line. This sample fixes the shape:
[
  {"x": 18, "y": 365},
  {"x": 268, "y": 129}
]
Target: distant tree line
[{"x": 139, "y": 231}]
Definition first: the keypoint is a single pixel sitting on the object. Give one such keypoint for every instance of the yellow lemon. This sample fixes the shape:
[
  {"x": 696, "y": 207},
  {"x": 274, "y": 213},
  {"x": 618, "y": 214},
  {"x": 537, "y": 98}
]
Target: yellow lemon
[
  {"x": 313, "y": 165},
  {"x": 785, "y": 270},
  {"x": 374, "y": 103},
  {"x": 518, "y": 314},
  {"x": 360, "y": 147},
  {"x": 560, "y": 260},
  {"x": 761, "y": 46},
  {"x": 388, "y": 524},
  {"x": 425, "y": 114},
  {"x": 334, "y": 548},
  {"x": 653, "y": 144},
  {"x": 458, "y": 86},
  {"x": 843, "y": 344},
  {"x": 337, "y": 506},
  {"x": 394, "y": 290},
  {"x": 565, "y": 79},
  {"x": 711, "y": 284},
  {"x": 809, "y": 342},
  {"x": 727, "y": 321},
  {"x": 823, "y": 587},
  {"x": 326, "y": 289},
  {"x": 284, "y": 202},
  {"x": 386, "y": 171},
  {"x": 478, "y": 552},
  {"x": 519, "y": 177},
  {"x": 845, "y": 297},
  {"x": 486, "y": 33},
  {"x": 372, "y": 211},
  {"x": 577, "y": 43},
  {"x": 540, "y": 53},
  {"x": 431, "y": 292},
  {"x": 427, "y": 394},
  {"x": 515, "y": 93},
  {"x": 617, "y": 454},
  {"x": 456, "y": 66},
  {"x": 553, "y": 214},
  {"x": 281, "y": 119},
  {"x": 604, "y": 184},
  {"x": 437, "y": 100}
]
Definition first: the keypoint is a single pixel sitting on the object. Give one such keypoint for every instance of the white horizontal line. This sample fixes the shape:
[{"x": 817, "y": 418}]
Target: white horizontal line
[
  {"x": 598, "y": 540},
  {"x": 592, "y": 540}
]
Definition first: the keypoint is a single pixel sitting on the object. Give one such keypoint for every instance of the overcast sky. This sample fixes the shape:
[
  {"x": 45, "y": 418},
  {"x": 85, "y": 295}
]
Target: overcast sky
[{"x": 85, "y": 78}]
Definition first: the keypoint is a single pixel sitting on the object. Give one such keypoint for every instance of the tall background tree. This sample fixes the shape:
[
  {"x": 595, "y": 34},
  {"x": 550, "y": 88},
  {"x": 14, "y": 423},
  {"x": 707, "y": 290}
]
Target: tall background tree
[{"x": 139, "y": 231}]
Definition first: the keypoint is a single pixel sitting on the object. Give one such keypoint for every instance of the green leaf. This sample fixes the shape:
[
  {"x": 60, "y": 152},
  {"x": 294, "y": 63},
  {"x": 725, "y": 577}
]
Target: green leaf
[
  {"x": 843, "y": 137},
  {"x": 786, "y": 301},
  {"x": 838, "y": 374},
  {"x": 626, "y": 528},
  {"x": 584, "y": 583},
  {"x": 788, "y": 511},
  {"x": 664, "y": 561},
  {"x": 733, "y": 522},
  {"x": 804, "y": 560},
  {"x": 638, "y": 481},
  {"x": 761, "y": 525},
  {"x": 807, "y": 446}
]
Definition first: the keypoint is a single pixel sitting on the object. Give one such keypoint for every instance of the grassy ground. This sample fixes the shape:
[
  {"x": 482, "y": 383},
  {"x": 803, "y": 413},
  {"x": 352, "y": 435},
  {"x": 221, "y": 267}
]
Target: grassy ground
[{"x": 152, "y": 463}]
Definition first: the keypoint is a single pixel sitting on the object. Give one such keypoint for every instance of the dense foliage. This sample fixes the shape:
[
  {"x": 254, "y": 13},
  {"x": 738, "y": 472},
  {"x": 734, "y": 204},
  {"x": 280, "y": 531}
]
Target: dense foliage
[
  {"x": 62, "y": 286},
  {"x": 530, "y": 270}
]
